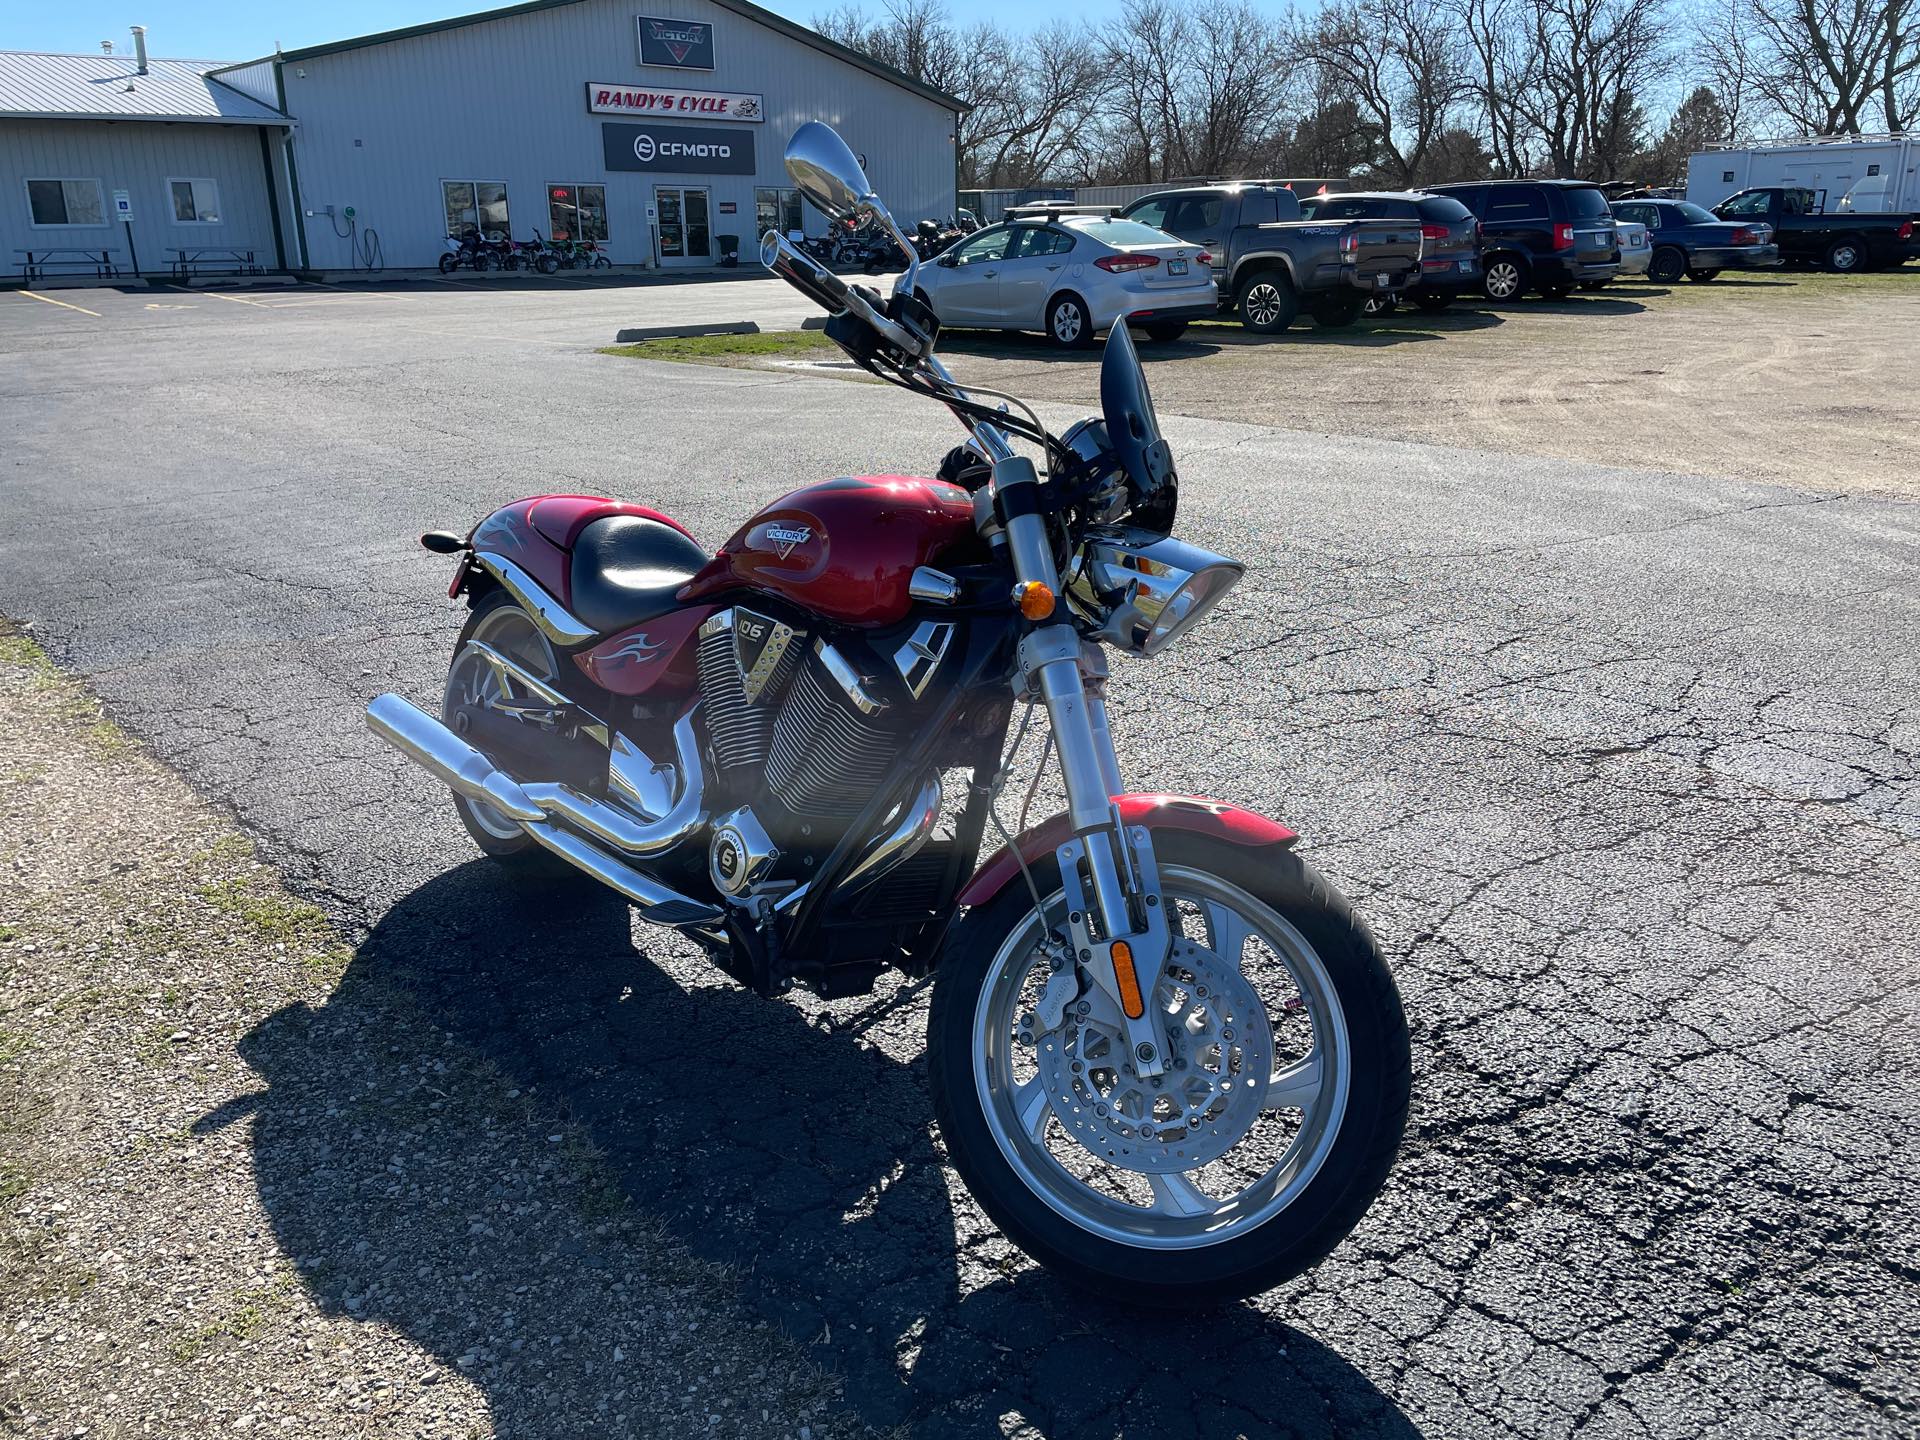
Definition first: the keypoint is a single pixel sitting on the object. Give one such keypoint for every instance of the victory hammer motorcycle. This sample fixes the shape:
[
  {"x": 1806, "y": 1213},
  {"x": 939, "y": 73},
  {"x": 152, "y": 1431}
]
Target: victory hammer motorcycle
[{"x": 1165, "y": 1056}]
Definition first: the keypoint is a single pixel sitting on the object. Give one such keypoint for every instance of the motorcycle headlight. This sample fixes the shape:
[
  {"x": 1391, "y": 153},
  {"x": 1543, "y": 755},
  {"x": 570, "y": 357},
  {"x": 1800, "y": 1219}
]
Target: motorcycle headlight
[{"x": 1148, "y": 590}]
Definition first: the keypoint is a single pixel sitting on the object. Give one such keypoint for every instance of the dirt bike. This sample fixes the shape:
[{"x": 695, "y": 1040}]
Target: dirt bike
[
  {"x": 534, "y": 254},
  {"x": 1165, "y": 1056},
  {"x": 471, "y": 251}
]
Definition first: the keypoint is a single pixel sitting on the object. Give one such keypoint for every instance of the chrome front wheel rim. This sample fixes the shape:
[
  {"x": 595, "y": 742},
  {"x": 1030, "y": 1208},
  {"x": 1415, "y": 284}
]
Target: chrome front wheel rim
[
  {"x": 472, "y": 681},
  {"x": 1300, "y": 1043}
]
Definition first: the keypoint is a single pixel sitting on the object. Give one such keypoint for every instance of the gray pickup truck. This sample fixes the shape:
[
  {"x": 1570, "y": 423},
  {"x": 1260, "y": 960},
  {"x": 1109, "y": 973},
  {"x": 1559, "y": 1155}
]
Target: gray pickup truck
[{"x": 1270, "y": 264}]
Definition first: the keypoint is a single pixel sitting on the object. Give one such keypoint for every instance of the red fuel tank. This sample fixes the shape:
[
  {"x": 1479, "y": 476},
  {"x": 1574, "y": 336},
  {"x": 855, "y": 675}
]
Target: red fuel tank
[{"x": 844, "y": 549}]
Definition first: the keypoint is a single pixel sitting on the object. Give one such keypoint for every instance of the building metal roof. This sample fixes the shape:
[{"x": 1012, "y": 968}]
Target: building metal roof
[
  {"x": 36, "y": 86},
  {"x": 743, "y": 8}
]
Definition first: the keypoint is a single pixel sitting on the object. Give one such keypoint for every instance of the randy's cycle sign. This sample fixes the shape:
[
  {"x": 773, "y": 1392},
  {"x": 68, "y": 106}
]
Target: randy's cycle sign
[
  {"x": 678, "y": 149},
  {"x": 676, "y": 44}
]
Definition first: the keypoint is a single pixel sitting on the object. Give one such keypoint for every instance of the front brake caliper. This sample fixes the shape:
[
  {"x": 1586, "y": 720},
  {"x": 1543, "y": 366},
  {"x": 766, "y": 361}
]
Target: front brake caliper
[
  {"x": 1063, "y": 988},
  {"x": 1128, "y": 985}
]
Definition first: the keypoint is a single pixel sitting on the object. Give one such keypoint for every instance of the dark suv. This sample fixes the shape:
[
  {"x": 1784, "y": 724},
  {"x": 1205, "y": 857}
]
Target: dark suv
[
  {"x": 1545, "y": 235},
  {"x": 1449, "y": 235}
]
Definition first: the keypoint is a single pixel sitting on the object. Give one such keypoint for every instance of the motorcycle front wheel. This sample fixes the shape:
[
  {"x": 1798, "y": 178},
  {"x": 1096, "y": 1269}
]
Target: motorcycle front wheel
[{"x": 1272, "y": 1129}]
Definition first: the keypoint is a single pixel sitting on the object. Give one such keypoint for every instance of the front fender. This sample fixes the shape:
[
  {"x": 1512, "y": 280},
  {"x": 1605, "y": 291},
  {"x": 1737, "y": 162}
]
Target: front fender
[{"x": 1156, "y": 812}]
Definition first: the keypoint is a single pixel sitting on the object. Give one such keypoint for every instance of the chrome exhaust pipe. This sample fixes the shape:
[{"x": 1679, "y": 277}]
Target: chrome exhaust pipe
[
  {"x": 448, "y": 758},
  {"x": 465, "y": 770}
]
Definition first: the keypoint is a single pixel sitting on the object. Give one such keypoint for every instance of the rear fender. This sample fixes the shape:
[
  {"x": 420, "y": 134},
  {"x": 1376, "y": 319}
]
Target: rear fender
[
  {"x": 1157, "y": 812},
  {"x": 537, "y": 534},
  {"x": 1247, "y": 266}
]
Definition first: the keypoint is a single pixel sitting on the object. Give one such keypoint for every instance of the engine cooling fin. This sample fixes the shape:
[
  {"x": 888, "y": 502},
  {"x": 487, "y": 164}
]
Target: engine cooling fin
[{"x": 826, "y": 760}]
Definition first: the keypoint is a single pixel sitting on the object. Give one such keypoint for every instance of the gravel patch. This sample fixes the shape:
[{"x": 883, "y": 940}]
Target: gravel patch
[{"x": 174, "y": 1027}]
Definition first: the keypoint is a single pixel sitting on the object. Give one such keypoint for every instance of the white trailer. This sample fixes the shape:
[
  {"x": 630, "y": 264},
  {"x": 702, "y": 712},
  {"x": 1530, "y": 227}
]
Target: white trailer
[{"x": 1868, "y": 174}]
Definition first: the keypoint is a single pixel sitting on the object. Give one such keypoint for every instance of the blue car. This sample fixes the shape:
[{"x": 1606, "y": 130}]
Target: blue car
[{"x": 1694, "y": 242}]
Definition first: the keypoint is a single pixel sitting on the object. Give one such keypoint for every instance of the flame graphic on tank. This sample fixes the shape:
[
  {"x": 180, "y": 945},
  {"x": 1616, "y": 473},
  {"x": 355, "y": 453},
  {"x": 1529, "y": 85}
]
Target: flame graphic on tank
[{"x": 638, "y": 650}]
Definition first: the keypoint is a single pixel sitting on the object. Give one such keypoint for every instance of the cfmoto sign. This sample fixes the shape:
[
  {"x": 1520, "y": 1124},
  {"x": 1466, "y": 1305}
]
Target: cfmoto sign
[{"x": 678, "y": 149}]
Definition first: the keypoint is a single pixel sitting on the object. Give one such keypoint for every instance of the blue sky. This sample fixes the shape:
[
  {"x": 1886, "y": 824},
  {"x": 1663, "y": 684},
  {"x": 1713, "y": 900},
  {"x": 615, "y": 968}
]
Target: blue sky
[{"x": 233, "y": 30}]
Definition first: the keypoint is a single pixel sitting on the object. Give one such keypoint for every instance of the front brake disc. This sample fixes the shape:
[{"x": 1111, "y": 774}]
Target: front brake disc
[{"x": 1219, "y": 1061}]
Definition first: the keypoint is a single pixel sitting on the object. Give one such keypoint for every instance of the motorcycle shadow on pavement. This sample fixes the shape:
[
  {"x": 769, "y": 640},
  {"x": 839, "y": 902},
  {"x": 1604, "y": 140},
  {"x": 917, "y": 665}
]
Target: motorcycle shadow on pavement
[{"x": 801, "y": 1157}]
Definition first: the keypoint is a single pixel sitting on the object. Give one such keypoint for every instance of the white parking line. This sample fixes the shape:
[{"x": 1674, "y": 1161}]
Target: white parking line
[
  {"x": 320, "y": 300},
  {"x": 48, "y": 299}
]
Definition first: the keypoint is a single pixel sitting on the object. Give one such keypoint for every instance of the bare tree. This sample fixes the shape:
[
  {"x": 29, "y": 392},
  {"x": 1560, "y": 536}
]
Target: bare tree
[
  {"x": 1402, "y": 62},
  {"x": 975, "y": 65},
  {"x": 1821, "y": 60},
  {"x": 1721, "y": 32},
  {"x": 1197, "y": 88},
  {"x": 1500, "y": 56},
  {"x": 1558, "y": 80},
  {"x": 1054, "y": 96},
  {"x": 1900, "y": 65}
]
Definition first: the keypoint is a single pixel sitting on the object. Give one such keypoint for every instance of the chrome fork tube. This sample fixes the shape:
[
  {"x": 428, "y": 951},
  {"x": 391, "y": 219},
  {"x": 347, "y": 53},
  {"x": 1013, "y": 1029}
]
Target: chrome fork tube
[
  {"x": 1050, "y": 656},
  {"x": 1089, "y": 797}
]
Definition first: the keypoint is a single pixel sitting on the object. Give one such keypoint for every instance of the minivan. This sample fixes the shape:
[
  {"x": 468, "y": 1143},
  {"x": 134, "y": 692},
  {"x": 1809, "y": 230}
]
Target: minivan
[{"x": 1544, "y": 235}]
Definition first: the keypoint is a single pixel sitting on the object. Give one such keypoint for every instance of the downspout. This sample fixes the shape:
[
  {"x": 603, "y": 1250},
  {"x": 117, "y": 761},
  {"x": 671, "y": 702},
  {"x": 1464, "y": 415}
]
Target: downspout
[
  {"x": 293, "y": 170},
  {"x": 273, "y": 200}
]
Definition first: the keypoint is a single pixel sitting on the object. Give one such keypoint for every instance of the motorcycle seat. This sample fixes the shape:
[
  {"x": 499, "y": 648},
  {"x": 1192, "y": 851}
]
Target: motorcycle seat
[{"x": 627, "y": 569}]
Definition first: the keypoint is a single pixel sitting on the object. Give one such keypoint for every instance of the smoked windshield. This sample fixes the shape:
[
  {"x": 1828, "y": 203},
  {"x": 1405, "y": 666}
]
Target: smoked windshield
[{"x": 1134, "y": 432}]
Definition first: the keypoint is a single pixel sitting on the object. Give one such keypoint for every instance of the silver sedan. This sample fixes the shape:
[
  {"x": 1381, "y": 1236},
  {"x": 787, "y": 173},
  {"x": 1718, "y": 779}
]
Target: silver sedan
[{"x": 1071, "y": 276}]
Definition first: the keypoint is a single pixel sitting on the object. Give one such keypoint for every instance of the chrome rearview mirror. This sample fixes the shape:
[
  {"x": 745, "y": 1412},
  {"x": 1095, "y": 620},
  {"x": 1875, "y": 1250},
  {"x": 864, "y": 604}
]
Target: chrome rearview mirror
[{"x": 826, "y": 172}]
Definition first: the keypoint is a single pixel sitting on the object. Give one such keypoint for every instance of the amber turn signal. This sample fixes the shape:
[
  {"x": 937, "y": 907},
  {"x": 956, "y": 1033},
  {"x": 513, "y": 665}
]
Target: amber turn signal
[
  {"x": 1034, "y": 599},
  {"x": 1123, "y": 972}
]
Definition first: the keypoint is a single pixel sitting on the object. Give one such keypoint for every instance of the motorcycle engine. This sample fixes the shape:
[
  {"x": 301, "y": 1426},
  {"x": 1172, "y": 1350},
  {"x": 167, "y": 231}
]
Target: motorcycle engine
[{"x": 801, "y": 734}]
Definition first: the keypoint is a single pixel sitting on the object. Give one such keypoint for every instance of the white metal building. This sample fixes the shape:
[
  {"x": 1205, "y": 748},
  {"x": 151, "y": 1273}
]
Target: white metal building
[
  {"x": 651, "y": 127},
  {"x": 115, "y": 164}
]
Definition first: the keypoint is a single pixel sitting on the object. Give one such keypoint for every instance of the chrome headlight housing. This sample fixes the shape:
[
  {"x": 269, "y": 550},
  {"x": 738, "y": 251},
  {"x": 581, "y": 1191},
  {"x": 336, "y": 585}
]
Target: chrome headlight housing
[{"x": 1146, "y": 590}]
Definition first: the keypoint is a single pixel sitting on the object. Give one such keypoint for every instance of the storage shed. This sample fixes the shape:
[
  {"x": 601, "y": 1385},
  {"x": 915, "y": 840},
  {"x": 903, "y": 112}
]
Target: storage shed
[{"x": 112, "y": 165}]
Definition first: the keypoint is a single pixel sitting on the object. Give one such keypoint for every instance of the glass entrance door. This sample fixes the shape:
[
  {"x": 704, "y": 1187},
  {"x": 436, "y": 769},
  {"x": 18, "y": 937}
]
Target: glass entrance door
[{"x": 686, "y": 236}]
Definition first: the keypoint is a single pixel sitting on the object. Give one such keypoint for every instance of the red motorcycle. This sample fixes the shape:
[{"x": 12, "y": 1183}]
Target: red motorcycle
[{"x": 1165, "y": 1055}]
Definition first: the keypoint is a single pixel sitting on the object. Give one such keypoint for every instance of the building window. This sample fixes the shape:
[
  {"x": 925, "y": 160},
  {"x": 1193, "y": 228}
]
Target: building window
[
  {"x": 65, "y": 202},
  {"x": 577, "y": 212},
  {"x": 195, "y": 202},
  {"x": 476, "y": 205},
  {"x": 776, "y": 209}
]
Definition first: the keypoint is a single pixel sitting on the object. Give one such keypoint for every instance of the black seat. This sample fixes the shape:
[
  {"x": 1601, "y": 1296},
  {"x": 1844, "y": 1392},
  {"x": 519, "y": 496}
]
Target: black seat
[{"x": 627, "y": 569}]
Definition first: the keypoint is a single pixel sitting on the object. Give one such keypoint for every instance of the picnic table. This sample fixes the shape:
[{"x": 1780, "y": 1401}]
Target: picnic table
[
  {"x": 218, "y": 259},
  {"x": 67, "y": 260}
]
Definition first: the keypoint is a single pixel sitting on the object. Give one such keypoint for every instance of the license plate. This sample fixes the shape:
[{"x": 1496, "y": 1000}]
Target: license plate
[
  {"x": 1381, "y": 282},
  {"x": 1466, "y": 267},
  {"x": 1176, "y": 267}
]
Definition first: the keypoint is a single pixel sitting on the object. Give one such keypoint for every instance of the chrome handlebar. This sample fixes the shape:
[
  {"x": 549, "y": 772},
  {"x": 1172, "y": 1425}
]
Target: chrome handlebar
[
  {"x": 836, "y": 297},
  {"x": 818, "y": 283}
]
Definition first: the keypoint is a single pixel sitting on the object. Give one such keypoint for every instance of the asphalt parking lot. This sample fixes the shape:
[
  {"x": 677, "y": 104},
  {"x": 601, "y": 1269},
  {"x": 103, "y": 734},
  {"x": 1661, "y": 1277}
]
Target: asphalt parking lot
[{"x": 1617, "y": 758}]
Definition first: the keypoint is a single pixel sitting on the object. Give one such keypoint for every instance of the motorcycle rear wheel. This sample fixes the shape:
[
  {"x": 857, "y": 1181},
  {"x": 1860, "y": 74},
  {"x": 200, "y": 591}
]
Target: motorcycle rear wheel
[
  {"x": 1283, "y": 1193},
  {"x": 498, "y": 622}
]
